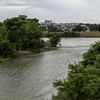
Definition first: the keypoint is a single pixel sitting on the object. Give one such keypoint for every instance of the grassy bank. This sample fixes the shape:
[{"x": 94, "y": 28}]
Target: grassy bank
[{"x": 89, "y": 34}]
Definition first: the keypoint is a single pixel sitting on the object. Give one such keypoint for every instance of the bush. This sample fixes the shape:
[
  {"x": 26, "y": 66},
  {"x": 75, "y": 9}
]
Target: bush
[
  {"x": 90, "y": 56},
  {"x": 7, "y": 49},
  {"x": 54, "y": 40},
  {"x": 71, "y": 34},
  {"x": 49, "y": 34},
  {"x": 81, "y": 84}
]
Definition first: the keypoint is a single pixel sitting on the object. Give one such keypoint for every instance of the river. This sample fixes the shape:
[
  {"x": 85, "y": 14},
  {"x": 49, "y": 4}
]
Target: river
[{"x": 30, "y": 77}]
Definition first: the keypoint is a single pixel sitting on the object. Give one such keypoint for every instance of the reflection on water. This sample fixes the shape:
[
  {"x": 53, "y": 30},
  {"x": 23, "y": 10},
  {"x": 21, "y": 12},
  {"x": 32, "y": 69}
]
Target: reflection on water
[{"x": 30, "y": 77}]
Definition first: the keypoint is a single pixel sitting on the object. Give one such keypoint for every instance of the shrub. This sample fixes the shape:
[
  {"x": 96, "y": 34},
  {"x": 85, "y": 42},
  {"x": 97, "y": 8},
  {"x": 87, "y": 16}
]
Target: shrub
[{"x": 90, "y": 56}]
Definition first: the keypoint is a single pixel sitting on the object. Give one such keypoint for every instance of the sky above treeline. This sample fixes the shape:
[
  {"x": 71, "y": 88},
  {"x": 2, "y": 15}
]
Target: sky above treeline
[{"x": 59, "y": 11}]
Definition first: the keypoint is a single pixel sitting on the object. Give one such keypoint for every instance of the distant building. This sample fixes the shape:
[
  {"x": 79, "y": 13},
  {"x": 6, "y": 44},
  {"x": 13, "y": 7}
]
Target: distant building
[
  {"x": 60, "y": 26},
  {"x": 48, "y": 21}
]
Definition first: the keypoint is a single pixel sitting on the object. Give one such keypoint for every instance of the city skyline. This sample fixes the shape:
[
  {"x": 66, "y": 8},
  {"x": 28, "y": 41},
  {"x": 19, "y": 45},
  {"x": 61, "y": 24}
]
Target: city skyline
[{"x": 59, "y": 11}]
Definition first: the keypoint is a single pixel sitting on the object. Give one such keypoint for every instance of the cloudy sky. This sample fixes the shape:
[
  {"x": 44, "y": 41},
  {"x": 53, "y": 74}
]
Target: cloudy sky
[{"x": 59, "y": 11}]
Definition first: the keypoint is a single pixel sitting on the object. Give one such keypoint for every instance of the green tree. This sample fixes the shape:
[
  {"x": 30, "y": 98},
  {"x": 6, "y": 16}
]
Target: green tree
[
  {"x": 90, "y": 56},
  {"x": 42, "y": 28},
  {"x": 17, "y": 29},
  {"x": 7, "y": 49},
  {"x": 94, "y": 27},
  {"x": 81, "y": 84},
  {"x": 78, "y": 28},
  {"x": 34, "y": 35},
  {"x": 49, "y": 34},
  {"x": 70, "y": 34},
  {"x": 54, "y": 40},
  {"x": 24, "y": 33},
  {"x": 53, "y": 29},
  {"x": 23, "y": 16}
]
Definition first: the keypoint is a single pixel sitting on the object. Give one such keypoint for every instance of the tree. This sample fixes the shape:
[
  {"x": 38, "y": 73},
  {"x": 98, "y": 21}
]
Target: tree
[
  {"x": 78, "y": 28},
  {"x": 23, "y": 16},
  {"x": 81, "y": 84},
  {"x": 17, "y": 30},
  {"x": 94, "y": 27},
  {"x": 90, "y": 56},
  {"x": 54, "y": 40},
  {"x": 53, "y": 29},
  {"x": 42, "y": 28},
  {"x": 24, "y": 33},
  {"x": 70, "y": 34},
  {"x": 7, "y": 49},
  {"x": 34, "y": 35}
]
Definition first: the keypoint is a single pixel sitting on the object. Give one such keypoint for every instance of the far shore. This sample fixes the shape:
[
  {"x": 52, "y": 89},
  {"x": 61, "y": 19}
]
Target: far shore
[
  {"x": 84, "y": 34},
  {"x": 89, "y": 34}
]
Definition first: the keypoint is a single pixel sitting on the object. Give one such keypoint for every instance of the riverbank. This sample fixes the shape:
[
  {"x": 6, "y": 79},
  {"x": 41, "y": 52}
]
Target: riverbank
[
  {"x": 20, "y": 53},
  {"x": 82, "y": 34}
]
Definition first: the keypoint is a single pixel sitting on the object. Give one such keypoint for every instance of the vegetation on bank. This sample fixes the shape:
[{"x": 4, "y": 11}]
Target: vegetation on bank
[
  {"x": 54, "y": 40},
  {"x": 83, "y": 80},
  {"x": 50, "y": 28},
  {"x": 73, "y": 34},
  {"x": 21, "y": 34},
  {"x": 64, "y": 34}
]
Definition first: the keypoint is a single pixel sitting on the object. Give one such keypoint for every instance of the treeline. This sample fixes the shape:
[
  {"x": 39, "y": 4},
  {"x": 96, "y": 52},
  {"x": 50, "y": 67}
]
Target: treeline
[
  {"x": 83, "y": 80},
  {"x": 19, "y": 33},
  {"x": 64, "y": 34},
  {"x": 50, "y": 28},
  {"x": 79, "y": 28},
  {"x": 83, "y": 27},
  {"x": 94, "y": 27}
]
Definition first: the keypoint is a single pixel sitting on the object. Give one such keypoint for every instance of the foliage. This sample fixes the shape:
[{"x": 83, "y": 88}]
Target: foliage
[
  {"x": 49, "y": 35},
  {"x": 81, "y": 84},
  {"x": 53, "y": 29},
  {"x": 16, "y": 28},
  {"x": 90, "y": 56},
  {"x": 94, "y": 27},
  {"x": 42, "y": 28},
  {"x": 24, "y": 33},
  {"x": 2, "y": 29},
  {"x": 7, "y": 49},
  {"x": 65, "y": 34},
  {"x": 19, "y": 33},
  {"x": 70, "y": 34},
  {"x": 79, "y": 28},
  {"x": 83, "y": 80},
  {"x": 54, "y": 40},
  {"x": 97, "y": 62},
  {"x": 33, "y": 36}
]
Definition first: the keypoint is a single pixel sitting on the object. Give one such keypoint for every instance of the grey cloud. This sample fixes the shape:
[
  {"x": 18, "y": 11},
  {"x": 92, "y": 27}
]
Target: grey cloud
[{"x": 56, "y": 10}]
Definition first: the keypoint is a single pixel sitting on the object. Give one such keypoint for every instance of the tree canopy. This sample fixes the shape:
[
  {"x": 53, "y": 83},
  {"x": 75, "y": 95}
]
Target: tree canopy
[
  {"x": 54, "y": 40},
  {"x": 79, "y": 28},
  {"x": 20, "y": 33}
]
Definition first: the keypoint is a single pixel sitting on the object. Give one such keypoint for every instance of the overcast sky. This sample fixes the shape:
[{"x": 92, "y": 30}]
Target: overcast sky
[{"x": 59, "y": 11}]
